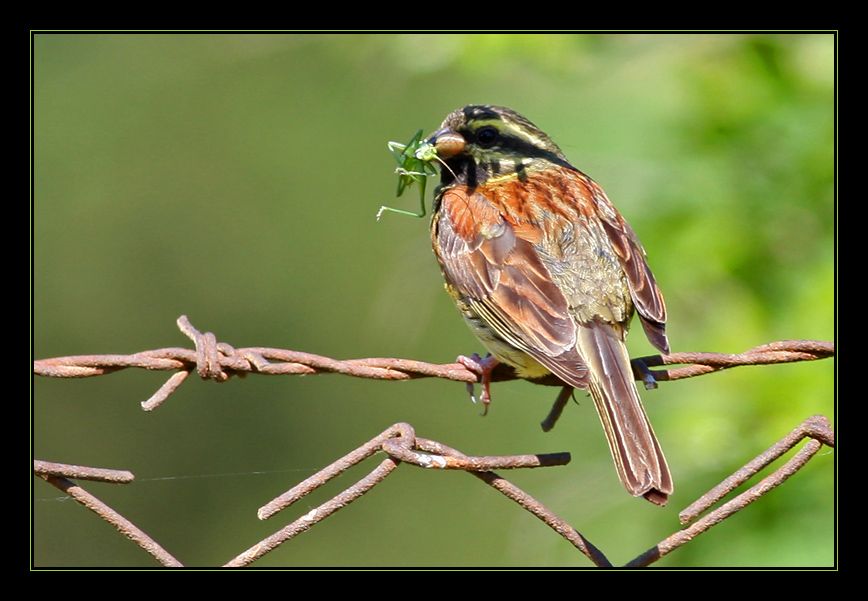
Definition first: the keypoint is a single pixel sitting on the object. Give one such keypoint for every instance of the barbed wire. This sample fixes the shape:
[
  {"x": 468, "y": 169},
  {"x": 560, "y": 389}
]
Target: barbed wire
[
  {"x": 401, "y": 445},
  {"x": 58, "y": 474},
  {"x": 816, "y": 428},
  {"x": 219, "y": 361}
]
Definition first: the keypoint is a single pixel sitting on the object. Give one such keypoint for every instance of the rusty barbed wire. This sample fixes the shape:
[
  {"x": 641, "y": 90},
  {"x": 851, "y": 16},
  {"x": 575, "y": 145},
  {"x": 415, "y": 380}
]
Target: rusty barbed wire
[
  {"x": 219, "y": 361},
  {"x": 401, "y": 445},
  {"x": 513, "y": 492},
  {"x": 80, "y": 472},
  {"x": 816, "y": 427},
  {"x": 57, "y": 475}
]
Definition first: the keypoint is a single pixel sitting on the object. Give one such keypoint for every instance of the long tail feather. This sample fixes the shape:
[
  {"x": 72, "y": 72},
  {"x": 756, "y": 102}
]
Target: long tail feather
[{"x": 637, "y": 454}]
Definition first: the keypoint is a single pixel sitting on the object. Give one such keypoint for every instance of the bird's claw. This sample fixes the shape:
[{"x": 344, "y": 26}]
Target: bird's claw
[
  {"x": 644, "y": 372},
  {"x": 482, "y": 368}
]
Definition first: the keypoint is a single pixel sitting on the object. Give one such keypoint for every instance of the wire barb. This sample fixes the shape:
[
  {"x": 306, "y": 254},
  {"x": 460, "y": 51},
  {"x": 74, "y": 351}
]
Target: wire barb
[
  {"x": 54, "y": 473},
  {"x": 80, "y": 472},
  {"x": 557, "y": 408}
]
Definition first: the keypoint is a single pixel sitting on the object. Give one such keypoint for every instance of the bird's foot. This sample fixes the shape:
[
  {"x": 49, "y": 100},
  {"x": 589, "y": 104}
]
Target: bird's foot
[
  {"x": 482, "y": 368},
  {"x": 643, "y": 372}
]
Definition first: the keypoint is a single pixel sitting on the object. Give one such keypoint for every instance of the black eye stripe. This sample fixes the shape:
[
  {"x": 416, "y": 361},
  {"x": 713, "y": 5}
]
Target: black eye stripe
[{"x": 518, "y": 146}]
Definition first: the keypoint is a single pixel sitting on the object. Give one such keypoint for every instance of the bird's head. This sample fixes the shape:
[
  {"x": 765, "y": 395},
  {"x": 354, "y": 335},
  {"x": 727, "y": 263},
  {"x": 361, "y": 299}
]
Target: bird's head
[{"x": 480, "y": 142}]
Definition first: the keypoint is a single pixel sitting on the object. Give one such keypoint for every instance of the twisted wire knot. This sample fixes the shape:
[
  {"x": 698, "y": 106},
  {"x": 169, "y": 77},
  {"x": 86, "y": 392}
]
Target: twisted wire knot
[{"x": 209, "y": 352}]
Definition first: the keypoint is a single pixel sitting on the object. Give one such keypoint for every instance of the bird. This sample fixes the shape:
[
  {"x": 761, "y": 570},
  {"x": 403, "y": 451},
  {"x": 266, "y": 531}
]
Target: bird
[{"x": 547, "y": 274}]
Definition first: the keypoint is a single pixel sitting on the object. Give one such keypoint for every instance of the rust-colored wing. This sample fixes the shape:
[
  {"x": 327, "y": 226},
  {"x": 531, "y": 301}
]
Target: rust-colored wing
[
  {"x": 494, "y": 265},
  {"x": 643, "y": 287}
]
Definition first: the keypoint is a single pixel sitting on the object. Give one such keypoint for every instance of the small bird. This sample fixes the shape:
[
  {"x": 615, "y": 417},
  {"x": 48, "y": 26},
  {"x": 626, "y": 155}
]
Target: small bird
[{"x": 547, "y": 274}]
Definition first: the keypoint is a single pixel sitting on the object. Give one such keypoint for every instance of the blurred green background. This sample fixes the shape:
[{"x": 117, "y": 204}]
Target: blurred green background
[{"x": 235, "y": 178}]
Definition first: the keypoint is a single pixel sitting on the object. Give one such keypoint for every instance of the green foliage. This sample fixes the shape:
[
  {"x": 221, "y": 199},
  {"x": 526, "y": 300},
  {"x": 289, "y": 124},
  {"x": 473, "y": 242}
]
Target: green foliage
[{"x": 232, "y": 178}]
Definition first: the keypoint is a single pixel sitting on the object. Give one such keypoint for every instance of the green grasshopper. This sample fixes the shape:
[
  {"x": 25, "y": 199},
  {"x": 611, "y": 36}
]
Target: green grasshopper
[{"x": 415, "y": 165}]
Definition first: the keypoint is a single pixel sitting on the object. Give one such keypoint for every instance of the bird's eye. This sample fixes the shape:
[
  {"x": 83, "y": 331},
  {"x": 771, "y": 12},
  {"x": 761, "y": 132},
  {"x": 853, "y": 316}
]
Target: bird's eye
[{"x": 486, "y": 137}]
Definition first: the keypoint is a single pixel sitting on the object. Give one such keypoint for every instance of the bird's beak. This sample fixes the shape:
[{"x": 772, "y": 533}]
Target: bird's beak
[{"x": 447, "y": 143}]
